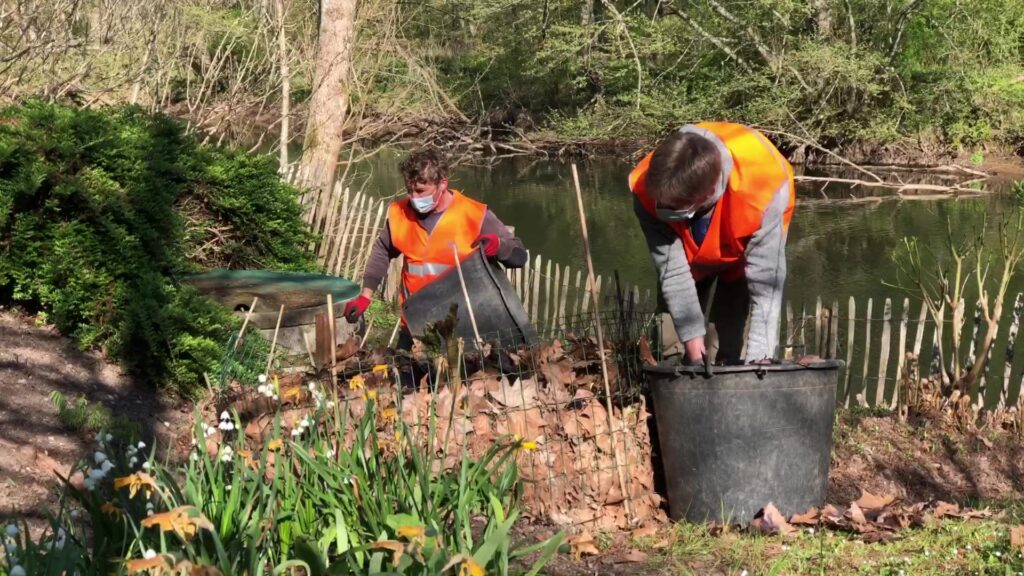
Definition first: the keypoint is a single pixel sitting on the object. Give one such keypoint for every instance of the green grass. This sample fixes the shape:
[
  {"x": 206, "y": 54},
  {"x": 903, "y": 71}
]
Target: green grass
[
  {"x": 949, "y": 546},
  {"x": 80, "y": 415}
]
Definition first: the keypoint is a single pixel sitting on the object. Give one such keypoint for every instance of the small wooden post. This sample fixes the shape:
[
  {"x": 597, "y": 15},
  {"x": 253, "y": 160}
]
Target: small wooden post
[
  {"x": 273, "y": 343},
  {"x": 901, "y": 351},
  {"x": 883, "y": 358},
  {"x": 850, "y": 334},
  {"x": 867, "y": 355},
  {"x": 790, "y": 331},
  {"x": 245, "y": 322},
  {"x": 833, "y": 338}
]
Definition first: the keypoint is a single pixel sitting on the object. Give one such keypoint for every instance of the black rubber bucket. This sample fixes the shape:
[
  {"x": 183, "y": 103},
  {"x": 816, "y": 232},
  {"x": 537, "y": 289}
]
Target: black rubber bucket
[
  {"x": 499, "y": 313},
  {"x": 746, "y": 436}
]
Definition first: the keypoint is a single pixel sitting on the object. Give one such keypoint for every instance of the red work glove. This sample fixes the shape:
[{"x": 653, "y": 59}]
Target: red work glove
[
  {"x": 490, "y": 243},
  {"x": 355, "y": 309}
]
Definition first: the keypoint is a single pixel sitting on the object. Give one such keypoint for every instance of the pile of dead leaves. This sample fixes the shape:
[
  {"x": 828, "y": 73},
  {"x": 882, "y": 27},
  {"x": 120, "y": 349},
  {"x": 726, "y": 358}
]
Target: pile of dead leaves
[
  {"x": 550, "y": 399},
  {"x": 874, "y": 518}
]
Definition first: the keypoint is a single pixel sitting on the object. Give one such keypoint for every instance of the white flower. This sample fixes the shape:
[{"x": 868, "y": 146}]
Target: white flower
[
  {"x": 262, "y": 378},
  {"x": 17, "y": 570},
  {"x": 149, "y": 512},
  {"x": 11, "y": 548},
  {"x": 305, "y": 422},
  {"x": 296, "y": 431},
  {"x": 312, "y": 386},
  {"x": 274, "y": 396},
  {"x": 75, "y": 514},
  {"x": 107, "y": 465},
  {"x": 142, "y": 445},
  {"x": 133, "y": 461},
  {"x": 11, "y": 530},
  {"x": 810, "y": 531},
  {"x": 99, "y": 457},
  {"x": 262, "y": 389},
  {"x": 330, "y": 404},
  {"x": 210, "y": 430},
  {"x": 224, "y": 415},
  {"x": 145, "y": 465},
  {"x": 59, "y": 540},
  {"x": 96, "y": 474},
  {"x": 194, "y": 457},
  {"x": 744, "y": 573},
  {"x": 330, "y": 453},
  {"x": 226, "y": 453},
  {"x": 99, "y": 437},
  {"x": 228, "y": 487},
  {"x": 90, "y": 484},
  {"x": 109, "y": 438},
  {"x": 193, "y": 440},
  {"x": 149, "y": 554},
  {"x": 226, "y": 425}
]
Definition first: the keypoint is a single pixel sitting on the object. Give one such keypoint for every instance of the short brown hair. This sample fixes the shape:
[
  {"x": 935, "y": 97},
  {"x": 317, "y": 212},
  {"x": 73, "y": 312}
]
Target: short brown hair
[
  {"x": 424, "y": 166},
  {"x": 683, "y": 168}
]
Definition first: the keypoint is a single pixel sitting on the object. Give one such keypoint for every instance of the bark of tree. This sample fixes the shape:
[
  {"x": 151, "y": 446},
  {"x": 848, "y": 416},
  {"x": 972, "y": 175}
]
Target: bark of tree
[
  {"x": 281, "y": 12},
  {"x": 822, "y": 17},
  {"x": 328, "y": 105}
]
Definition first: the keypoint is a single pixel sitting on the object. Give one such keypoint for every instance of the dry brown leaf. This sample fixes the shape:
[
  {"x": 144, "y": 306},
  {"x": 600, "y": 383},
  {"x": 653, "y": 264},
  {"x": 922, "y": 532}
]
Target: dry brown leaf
[
  {"x": 869, "y": 502},
  {"x": 856, "y": 515},
  {"x": 809, "y": 518},
  {"x": 772, "y": 521},
  {"x": 945, "y": 509},
  {"x": 521, "y": 394},
  {"x": 347, "y": 350},
  {"x": 645, "y": 352},
  {"x": 583, "y": 545},
  {"x": 634, "y": 556},
  {"x": 1017, "y": 538},
  {"x": 644, "y": 532},
  {"x": 663, "y": 543}
]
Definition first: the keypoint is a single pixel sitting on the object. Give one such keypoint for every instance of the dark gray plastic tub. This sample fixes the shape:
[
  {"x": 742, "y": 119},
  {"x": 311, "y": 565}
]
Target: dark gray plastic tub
[{"x": 743, "y": 437}]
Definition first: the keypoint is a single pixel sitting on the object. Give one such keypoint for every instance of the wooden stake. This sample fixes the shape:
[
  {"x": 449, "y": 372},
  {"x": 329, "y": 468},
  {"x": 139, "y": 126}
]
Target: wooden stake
[
  {"x": 901, "y": 352},
  {"x": 850, "y": 335},
  {"x": 395, "y": 331},
  {"x": 273, "y": 343},
  {"x": 465, "y": 294},
  {"x": 600, "y": 347},
  {"x": 867, "y": 356},
  {"x": 245, "y": 323},
  {"x": 334, "y": 335},
  {"x": 883, "y": 358},
  {"x": 369, "y": 326}
]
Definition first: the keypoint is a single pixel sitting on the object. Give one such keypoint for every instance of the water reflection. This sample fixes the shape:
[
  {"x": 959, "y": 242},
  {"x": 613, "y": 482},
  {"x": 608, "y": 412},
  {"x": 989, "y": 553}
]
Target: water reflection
[{"x": 834, "y": 250}]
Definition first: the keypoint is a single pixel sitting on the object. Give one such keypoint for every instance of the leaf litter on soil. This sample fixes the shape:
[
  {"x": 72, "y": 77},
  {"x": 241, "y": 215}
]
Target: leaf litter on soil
[{"x": 548, "y": 398}]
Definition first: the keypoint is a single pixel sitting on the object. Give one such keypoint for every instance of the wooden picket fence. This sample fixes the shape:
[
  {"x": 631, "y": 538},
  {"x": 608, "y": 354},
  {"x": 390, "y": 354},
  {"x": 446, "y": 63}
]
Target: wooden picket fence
[
  {"x": 550, "y": 291},
  {"x": 875, "y": 338}
]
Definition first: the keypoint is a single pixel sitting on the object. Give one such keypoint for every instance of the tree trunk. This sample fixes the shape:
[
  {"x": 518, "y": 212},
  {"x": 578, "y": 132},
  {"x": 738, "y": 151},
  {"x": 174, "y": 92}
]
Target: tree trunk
[
  {"x": 328, "y": 104},
  {"x": 822, "y": 17},
  {"x": 587, "y": 13},
  {"x": 286, "y": 82}
]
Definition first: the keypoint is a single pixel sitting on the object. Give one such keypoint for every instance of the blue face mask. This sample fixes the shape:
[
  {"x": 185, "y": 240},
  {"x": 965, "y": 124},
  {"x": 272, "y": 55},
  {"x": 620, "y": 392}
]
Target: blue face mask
[{"x": 424, "y": 205}]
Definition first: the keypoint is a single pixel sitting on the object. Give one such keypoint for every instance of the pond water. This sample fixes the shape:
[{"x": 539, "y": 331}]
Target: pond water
[{"x": 835, "y": 249}]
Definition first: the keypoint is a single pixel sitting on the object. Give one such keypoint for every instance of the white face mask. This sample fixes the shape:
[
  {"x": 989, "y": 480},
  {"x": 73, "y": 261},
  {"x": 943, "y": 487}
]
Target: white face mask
[{"x": 424, "y": 205}]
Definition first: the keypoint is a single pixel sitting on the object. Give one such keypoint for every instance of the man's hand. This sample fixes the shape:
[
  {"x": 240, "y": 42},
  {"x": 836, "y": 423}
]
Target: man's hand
[
  {"x": 355, "y": 309},
  {"x": 695, "y": 350},
  {"x": 489, "y": 243}
]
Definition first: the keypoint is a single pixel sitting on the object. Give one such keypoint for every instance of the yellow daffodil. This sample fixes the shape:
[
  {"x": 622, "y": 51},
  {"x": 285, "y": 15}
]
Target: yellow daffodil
[
  {"x": 356, "y": 382},
  {"x": 411, "y": 532},
  {"x": 275, "y": 444},
  {"x": 469, "y": 567},
  {"x": 185, "y": 521},
  {"x": 110, "y": 508}
]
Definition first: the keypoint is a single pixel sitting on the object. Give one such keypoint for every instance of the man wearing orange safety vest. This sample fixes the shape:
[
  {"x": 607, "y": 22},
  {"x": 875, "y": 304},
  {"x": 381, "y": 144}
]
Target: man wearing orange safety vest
[
  {"x": 714, "y": 201},
  {"x": 423, "y": 226}
]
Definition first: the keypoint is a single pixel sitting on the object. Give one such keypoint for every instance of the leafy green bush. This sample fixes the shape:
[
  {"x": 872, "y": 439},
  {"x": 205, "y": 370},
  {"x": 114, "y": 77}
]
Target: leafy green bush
[{"x": 102, "y": 212}]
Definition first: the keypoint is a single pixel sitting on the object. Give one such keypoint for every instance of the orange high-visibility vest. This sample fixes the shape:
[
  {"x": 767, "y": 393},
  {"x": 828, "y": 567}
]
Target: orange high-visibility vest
[
  {"x": 428, "y": 256},
  {"x": 758, "y": 171}
]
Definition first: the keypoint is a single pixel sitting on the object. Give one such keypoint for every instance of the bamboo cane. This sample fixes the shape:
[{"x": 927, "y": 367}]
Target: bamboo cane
[{"x": 600, "y": 346}]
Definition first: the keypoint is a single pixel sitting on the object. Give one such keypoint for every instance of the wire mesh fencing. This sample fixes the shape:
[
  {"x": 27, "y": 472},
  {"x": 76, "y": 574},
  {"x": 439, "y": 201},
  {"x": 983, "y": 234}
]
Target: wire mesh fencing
[{"x": 576, "y": 411}]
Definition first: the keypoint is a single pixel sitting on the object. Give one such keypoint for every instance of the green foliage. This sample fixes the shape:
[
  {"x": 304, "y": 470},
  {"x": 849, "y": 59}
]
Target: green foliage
[
  {"x": 878, "y": 73},
  {"x": 103, "y": 211},
  {"x": 340, "y": 496}
]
